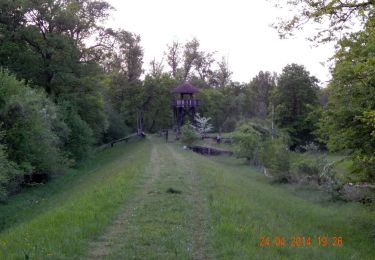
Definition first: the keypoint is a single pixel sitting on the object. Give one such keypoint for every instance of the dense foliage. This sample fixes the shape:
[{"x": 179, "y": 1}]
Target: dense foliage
[
  {"x": 295, "y": 97},
  {"x": 188, "y": 135},
  {"x": 348, "y": 122}
]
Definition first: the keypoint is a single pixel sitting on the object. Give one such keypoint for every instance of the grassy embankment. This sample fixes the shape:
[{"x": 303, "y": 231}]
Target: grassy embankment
[
  {"x": 245, "y": 207},
  {"x": 57, "y": 220},
  {"x": 215, "y": 208}
]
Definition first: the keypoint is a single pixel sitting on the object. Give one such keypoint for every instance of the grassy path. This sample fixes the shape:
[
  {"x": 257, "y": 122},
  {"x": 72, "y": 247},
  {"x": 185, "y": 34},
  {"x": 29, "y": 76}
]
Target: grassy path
[
  {"x": 106, "y": 243},
  {"x": 169, "y": 220},
  {"x": 152, "y": 200},
  {"x": 200, "y": 213}
]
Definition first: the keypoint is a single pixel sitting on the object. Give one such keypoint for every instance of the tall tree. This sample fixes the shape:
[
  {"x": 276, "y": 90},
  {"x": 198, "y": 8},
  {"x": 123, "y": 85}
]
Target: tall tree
[
  {"x": 50, "y": 34},
  {"x": 347, "y": 123},
  {"x": 126, "y": 55},
  {"x": 222, "y": 75},
  {"x": 156, "y": 100},
  {"x": 203, "y": 66},
  {"x": 261, "y": 87},
  {"x": 156, "y": 68},
  {"x": 124, "y": 65},
  {"x": 294, "y": 97},
  {"x": 44, "y": 43},
  {"x": 191, "y": 54},
  {"x": 173, "y": 57}
]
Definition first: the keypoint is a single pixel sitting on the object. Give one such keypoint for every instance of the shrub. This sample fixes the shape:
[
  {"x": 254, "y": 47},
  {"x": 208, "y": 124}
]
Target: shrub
[
  {"x": 309, "y": 147},
  {"x": 247, "y": 145},
  {"x": 116, "y": 126},
  {"x": 229, "y": 125},
  {"x": 202, "y": 125},
  {"x": 311, "y": 166},
  {"x": 28, "y": 118},
  {"x": 8, "y": 174},
  {"x": 275, "y": 156},
  {"x": 80, "y": 138},
  {"x": 189, "y": 136}
]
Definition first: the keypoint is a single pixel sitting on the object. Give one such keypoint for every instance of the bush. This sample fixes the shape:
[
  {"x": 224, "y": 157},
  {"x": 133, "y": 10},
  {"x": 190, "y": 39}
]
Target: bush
[
  {"x": 80, "y": 138},
  {"x": 8, "y": 174},
  {"x": 229, "y": 125},
  {"x": 309, "y": 168},
  {"x": 116, "y": 126},
  {"x": 247, "y": 145},
  {"x": 312, "y": 166},
  {"x": 275, "y": 156},
  {"x": 189, "y": 135},
  {"x": 28, "y": 125}
]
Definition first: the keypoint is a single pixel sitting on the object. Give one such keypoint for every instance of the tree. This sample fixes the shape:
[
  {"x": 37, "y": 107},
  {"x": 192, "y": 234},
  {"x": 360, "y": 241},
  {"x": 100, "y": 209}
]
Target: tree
[
  {"x": 203, "y": 65},
  {"x": 156, "y": 68},
  {"x": 221, "y": 76},
  {"x": 213, "y": 101},
  {"x": 156, "y": 100},
  {"x": 295, "y": 97},
  {"x": 189, "y": 63},
  {"x": 125, "y": 56},
  {"x": 173, "y": 57},
  {"x": 335, "y": 17},
  {"x": 44, "y": 42},
  {"x": 191, "y": 54},
  {"x": 124, "y": 64},
  {"x": 347, "y": 123},
  {"x": 202, "y": 125},
  {"x": 49, "y": 35},
  {"x": 260, "y": 88}
]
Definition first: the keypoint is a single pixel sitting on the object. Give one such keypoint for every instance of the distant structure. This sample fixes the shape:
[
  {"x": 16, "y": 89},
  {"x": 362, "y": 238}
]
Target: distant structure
[{"x": 184, "y": 104}]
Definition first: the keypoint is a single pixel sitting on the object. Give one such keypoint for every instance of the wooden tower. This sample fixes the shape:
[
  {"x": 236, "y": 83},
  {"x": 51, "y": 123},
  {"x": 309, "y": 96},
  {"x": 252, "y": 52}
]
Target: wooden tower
[{"x": 184, "y": 104}]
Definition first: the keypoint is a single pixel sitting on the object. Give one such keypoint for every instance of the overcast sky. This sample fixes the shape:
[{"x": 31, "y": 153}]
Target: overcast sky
[{"x": 238, "y": 29}]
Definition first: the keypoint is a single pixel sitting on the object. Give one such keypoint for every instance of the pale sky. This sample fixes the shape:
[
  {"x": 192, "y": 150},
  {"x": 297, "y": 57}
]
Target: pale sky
[{"x": 238, "y": 29}]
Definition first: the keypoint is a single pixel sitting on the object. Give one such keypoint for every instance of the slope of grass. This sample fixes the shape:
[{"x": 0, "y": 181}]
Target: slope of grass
[
  {"x": 219, "y": 208},
  {"x": 245, "y": 207},
  {"x": 57, "y": 220}
]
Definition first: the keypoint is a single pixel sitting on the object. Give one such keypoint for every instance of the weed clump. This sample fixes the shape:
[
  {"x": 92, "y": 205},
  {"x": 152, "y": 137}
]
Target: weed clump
[{"x": 173, "y": 191}]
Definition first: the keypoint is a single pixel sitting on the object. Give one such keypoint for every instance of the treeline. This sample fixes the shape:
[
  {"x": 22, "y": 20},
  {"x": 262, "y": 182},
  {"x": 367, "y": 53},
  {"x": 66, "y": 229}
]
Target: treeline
[{"x": 67, "y": 83}]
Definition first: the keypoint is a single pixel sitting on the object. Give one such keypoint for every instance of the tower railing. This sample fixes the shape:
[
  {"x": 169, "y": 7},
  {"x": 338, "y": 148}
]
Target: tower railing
[{"x": 186, "y": 103}]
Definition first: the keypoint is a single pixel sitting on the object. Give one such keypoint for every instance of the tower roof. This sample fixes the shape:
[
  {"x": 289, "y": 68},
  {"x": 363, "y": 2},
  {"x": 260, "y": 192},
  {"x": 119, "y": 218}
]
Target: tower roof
[{"x": 185, "y": 88}]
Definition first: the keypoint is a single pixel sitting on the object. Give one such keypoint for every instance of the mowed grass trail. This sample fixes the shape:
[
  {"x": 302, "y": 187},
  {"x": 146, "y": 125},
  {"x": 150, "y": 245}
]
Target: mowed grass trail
[{"x": 152, "y": 200}]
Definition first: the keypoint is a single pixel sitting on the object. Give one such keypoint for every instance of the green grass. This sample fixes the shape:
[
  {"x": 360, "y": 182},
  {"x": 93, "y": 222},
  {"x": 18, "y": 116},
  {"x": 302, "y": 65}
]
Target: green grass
[
  {"x": 59, "y": 219},
  {"x": 245, "y": 206},
  {"x": 342, "y": 164},
  {"x": 223, "y": 209},
  {"x": 159, "y": 227}
]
